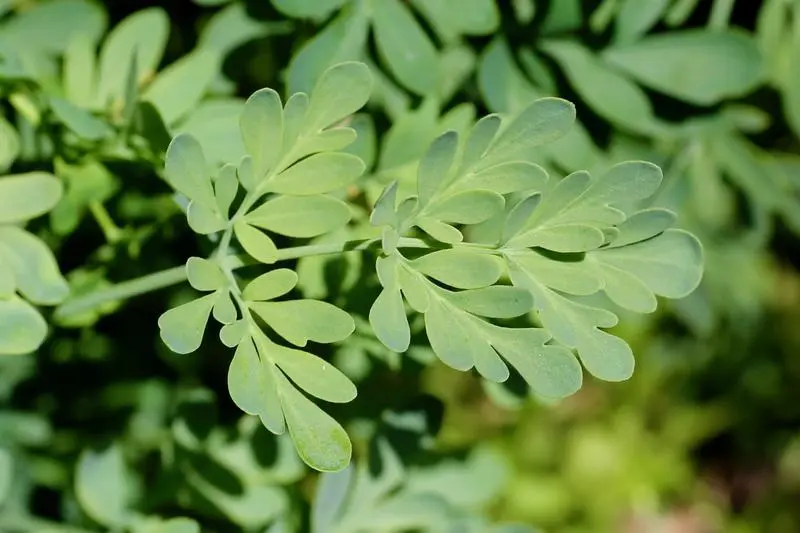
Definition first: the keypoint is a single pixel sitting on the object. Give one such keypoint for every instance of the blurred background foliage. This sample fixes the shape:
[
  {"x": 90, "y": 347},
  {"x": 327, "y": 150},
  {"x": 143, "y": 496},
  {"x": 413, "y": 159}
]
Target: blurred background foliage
[{"x": 704, "y": 438}]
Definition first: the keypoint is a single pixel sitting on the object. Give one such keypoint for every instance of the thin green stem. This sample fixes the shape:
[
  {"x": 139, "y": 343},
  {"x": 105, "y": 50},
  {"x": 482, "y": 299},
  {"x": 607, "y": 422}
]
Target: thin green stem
[
  {"x": 110, "y": 230},
  {"x": 172, "y": 276}
]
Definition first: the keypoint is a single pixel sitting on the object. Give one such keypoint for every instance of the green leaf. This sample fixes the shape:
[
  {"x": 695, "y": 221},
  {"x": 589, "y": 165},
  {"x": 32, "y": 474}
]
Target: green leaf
[
  {"x": 143, "y": 33},
  {"x": 8, "y": 283},
  {"x": 182, "y": 327},
  {"x": 473, "y": 17},
  {"x": 550, "y": 371},
  {"x": 544, "y": 121},
  {"x": 459, "y": 343},
  {"x": 225, "y": 188},
  {"x": 9, "y": 144},
  {"x": 321, "y": 442},
  {"x": 80, "y": 71},
  {"x": 343, "y": 39},
  {"x": 203, "y": 219},
  {"x": 573, "y": 215},
  {"x": 329, "y": 499},
  {"x": 340, "y": 91},
  {"x": 609, "y": 94},
  {"x": 300, "y": 321},
  {"x": 6, "y": 474},
  {"x": 498, "y": 301},
  {"x": 643, "y": 225},
  {"x": 409, "y": 137},
  {"x": 313, "y": 9},
  {"x": 22, "y": 328},
  {"x": 80, "y": 121},
  {"x": 29, "y": 195},
  {"x": 187, "y": 172},
  {"x": 101, "y": 485},
  {"x": 505, "y": 178},
  {"x": 317, "y": 174},
  {"x": 404, "y": 47},
  {"x": 232, "y": 334},
  {"x": 314, "y": 375},
  {"x": 502, "y": 84},
  {"x": 205, "y": 275},
  {"x": 576, "y": 325},
  {"x": 179, "y": 88},
  {"x": 635, "y": 18},
  {"x": 439, "y": 230},
  {"x": 460, "y": 268},
  {"x": 791, "y": 85},
  {"x": 85, "y": 183},
  {"x": 215, "y": 125},
  {"x": 387, "y": 316},
  {"x": 50, "y": 27},
  {"x": 698, "y": 66},
  {"x": 670, "y": 264},
  {"x": 467, "y": 207},
  {"x": 176, "y": 525},
  {"x": 36, "y": 272},
  {"x": 224, "y": 310},
  {"x": 229, "y": 28},
  {"x": 270, "y": 285},
  {"x": 435, "y": 165},
  {"x": 253, "y": 387},
  {"x": 261, "y": 126},
  {"x": 300, "y": 216},
  {"x": 256, "y": 243}
]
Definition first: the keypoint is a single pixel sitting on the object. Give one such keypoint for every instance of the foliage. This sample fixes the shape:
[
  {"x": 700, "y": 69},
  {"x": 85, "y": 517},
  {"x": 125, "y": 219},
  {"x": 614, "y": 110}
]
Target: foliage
[{"x": 372, "y": 199}]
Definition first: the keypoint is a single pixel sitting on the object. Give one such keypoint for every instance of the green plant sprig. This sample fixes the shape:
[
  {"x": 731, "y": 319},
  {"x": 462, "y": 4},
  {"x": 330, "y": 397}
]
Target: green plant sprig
[{"x": 482, "y": 214}]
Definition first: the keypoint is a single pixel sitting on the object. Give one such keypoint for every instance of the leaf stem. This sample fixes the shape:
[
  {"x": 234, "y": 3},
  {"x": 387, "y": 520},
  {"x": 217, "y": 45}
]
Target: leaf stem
[
  {"x": 110, "y": 230},
  {"x": 172, "y": 276}
]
